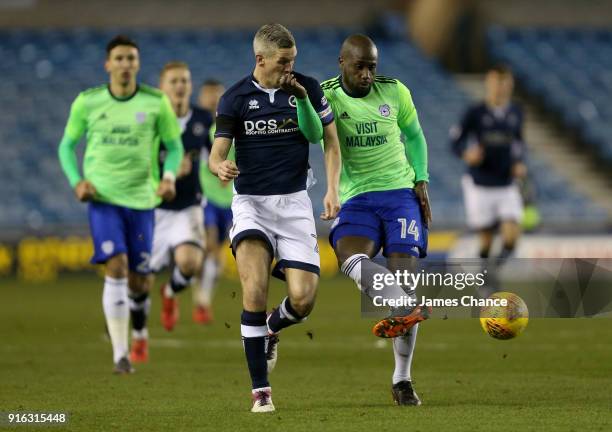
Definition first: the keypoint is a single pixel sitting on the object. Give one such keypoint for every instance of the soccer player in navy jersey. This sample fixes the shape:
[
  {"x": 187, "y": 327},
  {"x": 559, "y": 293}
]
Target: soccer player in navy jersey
[
  {"x": 178, "y": 236},
  {"x": 217, "y": 215},
  {"x": 489, "y": 139},
  {"x": 272, "y": 115}
]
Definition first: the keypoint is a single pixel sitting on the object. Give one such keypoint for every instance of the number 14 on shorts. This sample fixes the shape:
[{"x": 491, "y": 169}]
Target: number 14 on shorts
[{"x": 408, "y": 228}]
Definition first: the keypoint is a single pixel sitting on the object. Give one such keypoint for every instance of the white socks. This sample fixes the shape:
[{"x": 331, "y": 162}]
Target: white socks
[
  {"x": 359, "y": 265},
  {"x": 207, "y": 283},
  {"x": 115, "y": 303},
  {"x": 403, "y": 350}
]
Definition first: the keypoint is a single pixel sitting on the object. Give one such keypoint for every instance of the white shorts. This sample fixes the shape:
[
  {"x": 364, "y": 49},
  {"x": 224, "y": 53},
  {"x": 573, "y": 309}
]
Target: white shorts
[
  {"x": 487, "y": 205},
  {"x": 284, "y": 222},
  {"x": 173, "y": 228}
]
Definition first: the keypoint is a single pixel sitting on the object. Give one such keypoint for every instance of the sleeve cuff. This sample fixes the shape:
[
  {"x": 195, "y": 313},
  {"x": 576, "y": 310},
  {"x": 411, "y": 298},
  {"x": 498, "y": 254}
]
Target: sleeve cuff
[{"x": 169, "y": 175}]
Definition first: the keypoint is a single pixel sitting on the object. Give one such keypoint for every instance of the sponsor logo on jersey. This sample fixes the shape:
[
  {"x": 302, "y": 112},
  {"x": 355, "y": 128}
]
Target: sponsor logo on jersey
[
  {"x": 385, "y": 110},
  {"x": 292, "y": 101},
  {"x": 141, "y": 117},
  {"x": 253, "y": 104},
  {"x": 198, "y": 129},
  {"x": 344, "y": 116},
  {"x": 102, "y": 116},
  {"x": 270, "y": 126}
]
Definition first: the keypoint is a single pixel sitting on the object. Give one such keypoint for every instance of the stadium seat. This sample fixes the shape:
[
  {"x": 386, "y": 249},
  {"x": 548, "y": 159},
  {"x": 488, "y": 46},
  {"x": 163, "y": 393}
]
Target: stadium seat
[{"x": 44, "y": 71}]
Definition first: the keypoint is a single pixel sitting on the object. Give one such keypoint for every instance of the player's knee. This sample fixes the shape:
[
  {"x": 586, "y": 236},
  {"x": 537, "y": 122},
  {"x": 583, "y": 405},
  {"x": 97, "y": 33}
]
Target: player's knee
[
  {"x": 254, "y": 299},
  {"x": 190, "y": 266},
  {"x": 342, "y": 256},
  {"x": 303, "y": 306},
  {"x": 139, "y": 283},
  {"x": 117, "y": 267},
  {"x": 304, "y": 302}
]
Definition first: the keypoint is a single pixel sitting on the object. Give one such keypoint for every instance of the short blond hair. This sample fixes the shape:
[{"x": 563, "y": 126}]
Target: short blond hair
[
  {"x": 271, "y": 37},
  {"x": 172, "y": 65}
]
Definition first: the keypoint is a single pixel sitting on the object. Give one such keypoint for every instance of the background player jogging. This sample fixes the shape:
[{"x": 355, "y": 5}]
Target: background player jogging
[
  {"x": 489, "y": 139},
  {"x": 124, "y": 122},
  {"x": 217, "y": 215},
  {"x": 178, "y": 236}
]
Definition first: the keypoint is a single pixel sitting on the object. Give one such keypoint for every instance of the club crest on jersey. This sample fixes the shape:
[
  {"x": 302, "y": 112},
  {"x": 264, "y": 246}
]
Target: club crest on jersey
[
  {"x": 292, "y": 101},
  {"x": 198, "y": 129},
  {"x": 253, "y": 104},
  {"x": 108, "y": 247},
  {"x": 385, "y": 110},
  {"x": 141, "y": 117},
  {"x": 323, "y": 100}
]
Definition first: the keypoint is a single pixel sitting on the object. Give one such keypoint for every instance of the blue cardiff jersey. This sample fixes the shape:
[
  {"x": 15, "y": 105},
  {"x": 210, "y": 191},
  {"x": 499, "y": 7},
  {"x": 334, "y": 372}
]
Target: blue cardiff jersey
[
  {"x": 499, "y": 132},
  {"x": 271, "y": 152},
  {"x": 195, "y": 137}
]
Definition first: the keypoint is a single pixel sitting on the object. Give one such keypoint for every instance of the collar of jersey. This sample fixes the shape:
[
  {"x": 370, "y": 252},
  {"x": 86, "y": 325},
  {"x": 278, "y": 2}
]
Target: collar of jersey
[
  {"x": 271, "y": 92},
  {"x": 349, "y": 93},
  {"x": 125, "y": 99},
  {"x": 184, "y": 120}
]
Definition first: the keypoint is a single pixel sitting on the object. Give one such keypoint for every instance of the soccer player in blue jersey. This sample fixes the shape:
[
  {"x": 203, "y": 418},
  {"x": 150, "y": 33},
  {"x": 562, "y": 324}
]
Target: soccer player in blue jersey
[
  {"x": 124, "y": 123},
  {"x": 489, "y": 139},
  {"x": 178, "y": 236},
  {"x": 272, "y": 115}
]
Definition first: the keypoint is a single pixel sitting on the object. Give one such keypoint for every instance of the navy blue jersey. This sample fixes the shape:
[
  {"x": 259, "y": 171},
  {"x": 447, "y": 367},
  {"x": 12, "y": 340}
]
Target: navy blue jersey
[
  {"x": 271, "y": 152},
  {"x": 499, "y": 133},
  {"x": 195, "y": 138}
]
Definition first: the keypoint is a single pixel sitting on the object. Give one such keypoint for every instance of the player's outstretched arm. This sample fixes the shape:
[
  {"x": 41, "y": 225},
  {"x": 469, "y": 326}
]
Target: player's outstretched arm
[
  {"x": 333, "y": 164},
  {"x": 218, "y": 163}
]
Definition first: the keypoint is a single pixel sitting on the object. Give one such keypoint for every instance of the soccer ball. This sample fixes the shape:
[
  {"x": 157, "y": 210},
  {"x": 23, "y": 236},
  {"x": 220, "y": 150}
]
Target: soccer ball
[{"x": 505, "y": 322}]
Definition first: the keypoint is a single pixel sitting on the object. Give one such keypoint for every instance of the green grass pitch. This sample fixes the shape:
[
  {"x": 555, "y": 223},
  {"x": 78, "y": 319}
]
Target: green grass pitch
[{"x": 332, "y": 373}]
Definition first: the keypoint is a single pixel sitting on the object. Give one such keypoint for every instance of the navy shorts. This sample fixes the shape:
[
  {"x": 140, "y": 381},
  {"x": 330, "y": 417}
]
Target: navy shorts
[
  {"x": 391, "y": 219},
  {"x": 116, "y": 230},
  {"x": 219, "y": 217}
]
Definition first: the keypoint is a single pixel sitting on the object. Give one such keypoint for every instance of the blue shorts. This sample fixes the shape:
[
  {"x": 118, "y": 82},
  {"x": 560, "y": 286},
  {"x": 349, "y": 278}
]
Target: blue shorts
[
  {"x": 391, "y": 219},
  {"x": 116, "y": 230},
  {"x": 218, "y": 217}
]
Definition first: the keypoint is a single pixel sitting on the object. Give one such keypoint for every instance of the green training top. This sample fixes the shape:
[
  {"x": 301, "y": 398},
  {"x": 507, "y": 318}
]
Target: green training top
[
  {"x": 369, "y": 129},
  {"x": 215, "y": 190},
  {"x": 123, "y": 137}
]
